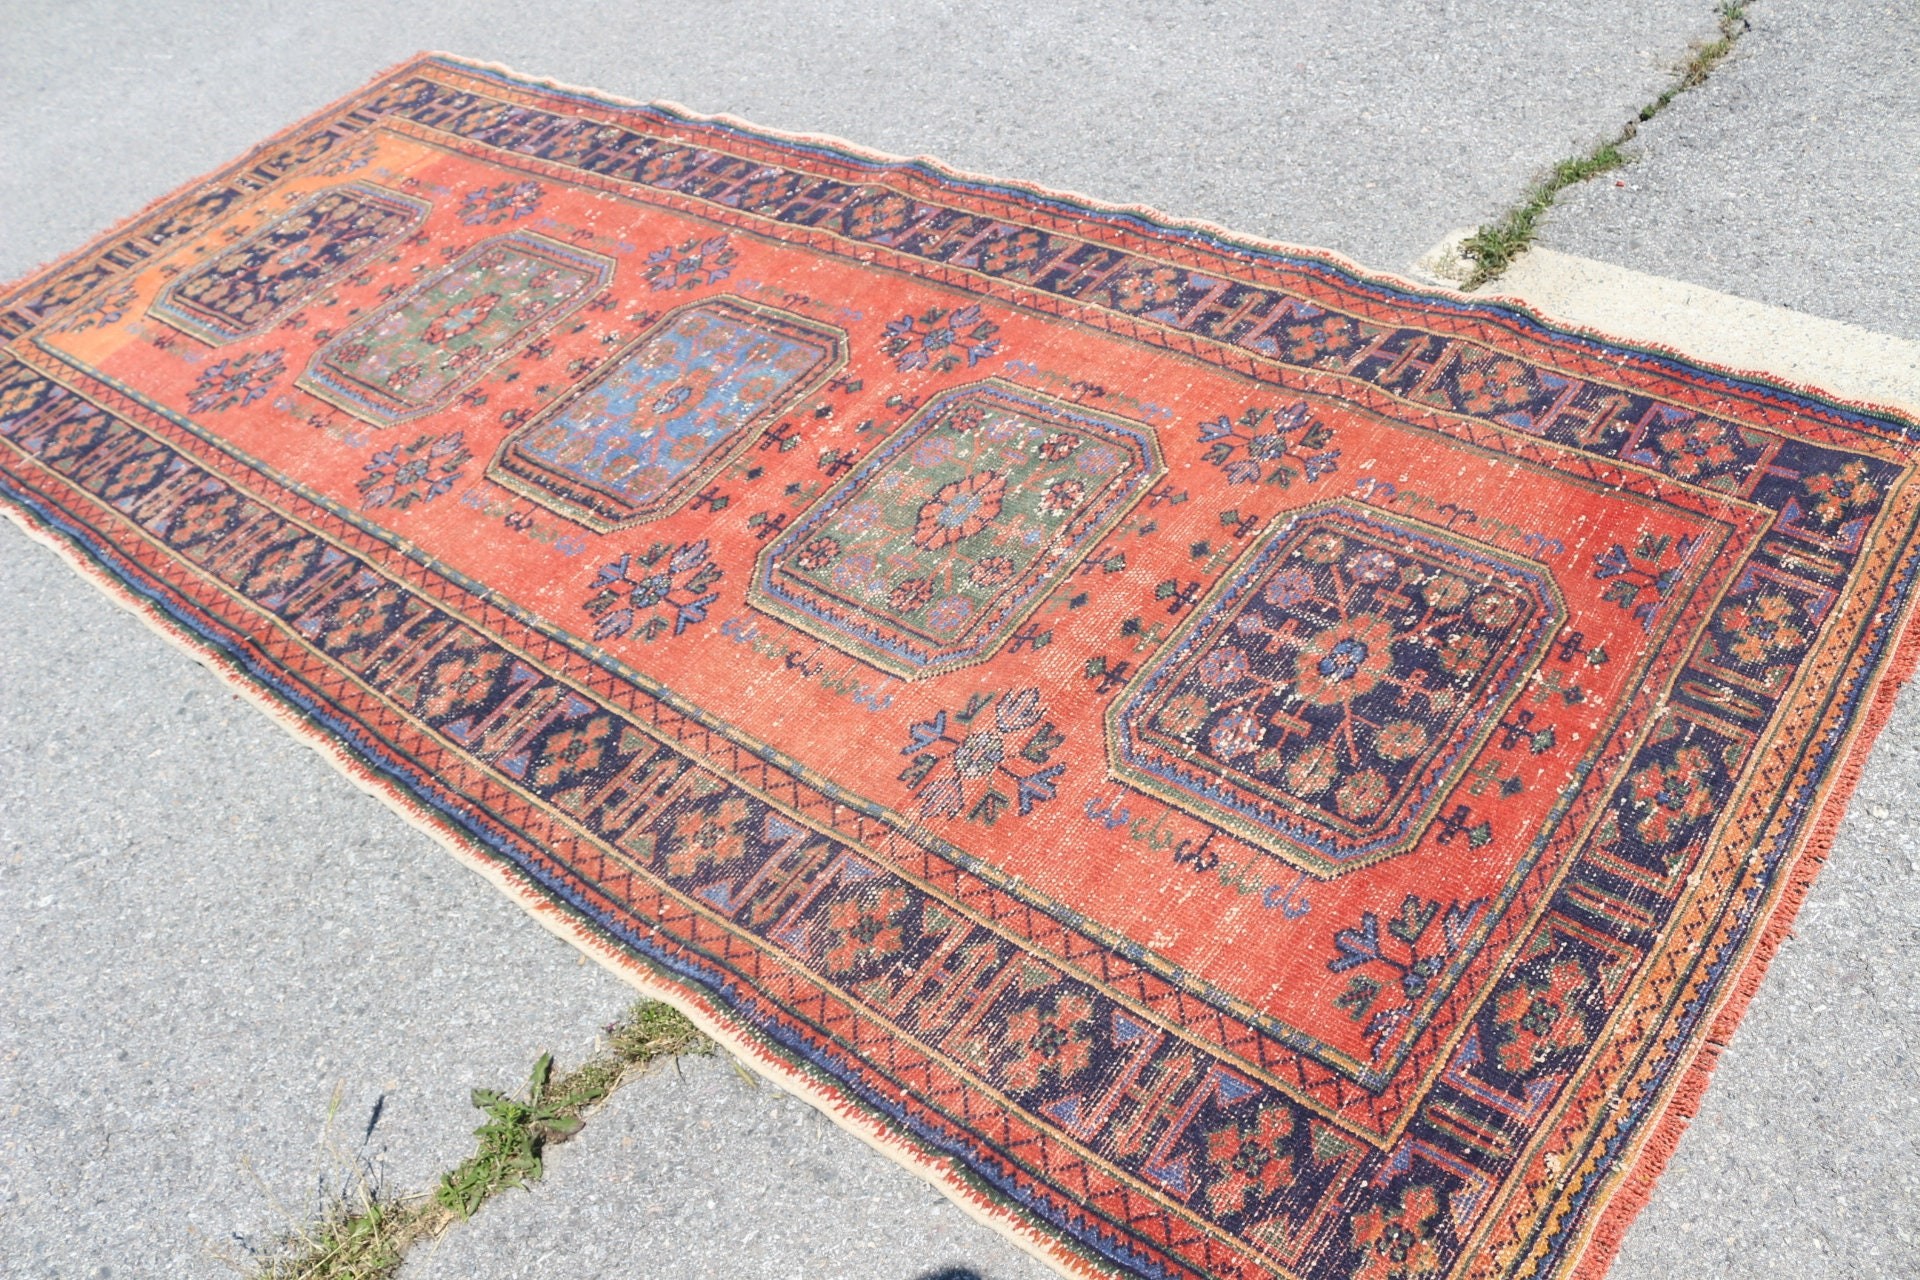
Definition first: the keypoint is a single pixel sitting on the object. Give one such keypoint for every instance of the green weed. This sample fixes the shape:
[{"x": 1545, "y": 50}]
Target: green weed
[
  {"x": 1493, "y": 247},
  {"x": 514, "y": 1138},
  {"x": 366, "y": 1235}
]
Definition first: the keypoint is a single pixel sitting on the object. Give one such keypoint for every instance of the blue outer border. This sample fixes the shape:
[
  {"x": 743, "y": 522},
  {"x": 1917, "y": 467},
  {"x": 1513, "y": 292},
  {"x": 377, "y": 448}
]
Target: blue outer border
[{"x": 1219, "y": 241}]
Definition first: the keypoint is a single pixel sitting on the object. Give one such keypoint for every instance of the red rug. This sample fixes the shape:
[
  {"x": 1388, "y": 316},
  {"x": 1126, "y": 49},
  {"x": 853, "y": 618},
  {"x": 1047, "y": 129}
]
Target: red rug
[{"x": 1233, "y": 766}]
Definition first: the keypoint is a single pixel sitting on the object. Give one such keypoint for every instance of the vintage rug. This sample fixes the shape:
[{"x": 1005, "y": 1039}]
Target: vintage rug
[{"x": 1232, "y": 766}]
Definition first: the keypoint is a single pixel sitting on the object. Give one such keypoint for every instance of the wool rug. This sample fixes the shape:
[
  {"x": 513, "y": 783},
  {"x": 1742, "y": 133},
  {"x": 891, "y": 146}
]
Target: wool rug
[{"x": 1231, "y": 765}]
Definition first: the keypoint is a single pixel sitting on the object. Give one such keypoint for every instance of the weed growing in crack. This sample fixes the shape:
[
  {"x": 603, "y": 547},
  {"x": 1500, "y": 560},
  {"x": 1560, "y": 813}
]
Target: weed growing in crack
[
  {"x": 365, "y": 1233},
  {"x": 362, "y": 1238},
  {"x": 1494, "y": 246},
  {"x": 514, "y": 1138}
]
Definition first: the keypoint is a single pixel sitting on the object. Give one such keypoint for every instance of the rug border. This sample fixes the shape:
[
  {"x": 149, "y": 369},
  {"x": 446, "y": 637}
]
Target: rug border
[
  {"x": 942, "y": 1172},
  {"x": 1639, "y": 1172},
  {"x": 1633, "y": 1181},
  {"x": 1497, "y": 303}
]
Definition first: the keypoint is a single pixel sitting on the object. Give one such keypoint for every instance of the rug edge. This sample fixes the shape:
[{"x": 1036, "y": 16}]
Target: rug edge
[
  {"x": 16, "y": 283},
  {"x": 942, "y": 1172},
  {"x": 1636, "y": 1180},
  {"x": 1855, "y": 367},
  {"x": 1406, "y": 281}
]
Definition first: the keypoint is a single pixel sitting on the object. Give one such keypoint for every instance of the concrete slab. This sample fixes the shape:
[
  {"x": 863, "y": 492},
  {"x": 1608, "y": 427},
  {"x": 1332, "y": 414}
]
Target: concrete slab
[
  {"x": 1791, "y": 176},
  {"x": 698, "y": 1174},
  {"x": 226, "y": 974},
  {"x": 1843, "y": 360}
]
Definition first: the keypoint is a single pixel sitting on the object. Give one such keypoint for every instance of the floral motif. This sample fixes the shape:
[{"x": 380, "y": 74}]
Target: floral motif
[
  {"x": 434, "y": 340},
  {"x": 1639, "y": 581},
  {"x": 879, "y": 215},
  {"x": 402, "y": 475},
  {"x": 22, "y": 393},
  {"x": 460, "y": 679},
  {"x": 1147, "y": 287},
  {"x": 910, "y": 594},
  {"x": 574, "y": 751},
  {"x": 267, "y": 274},
  {"x": 352, "y": 624},
  {"x": 1346, "y": 660},
  {"x": 1013, "y": 250},
  {"x": 817, "y": 554},
  {"x": 937, "y": 339},
  {"x": 1762, "y": 628},
  {"x": 937, "y": 547},
  {"x": 1048, "y": 1042},
  {"x": 1317, "y": 701},
  {"x": 102, "y": 309},
  {"x": 1702, "y": 449},
  {"x": 645, "y": 594},
  {"x": 1495, "y": 386},
  {"x": 1277, "y": 446},
  {"x": 507, "y": 202},
  {"x": 460, "y": 318},
  {"x": 67, "y": 289},
  {"x": 707, "y": 838},
  {"x": 866, "y": 927},
  {"x": 1397, "y": 1243},
  {"x": 960, "y": 509},
  {"x": 1324, "y": 338},
  {"x": 691, "y": 263},
  {"x": 1669, "y": 797},
  {"x": 951, "y": 775},
  {"x": 236, "y": 381},
  {"x": 344, "y": 160},
  {"x": 654, "y": 425},
  {"x": 991, "y": 572},
  {"x": 1843, "y": 493},
  {"x": 1251, "y": 1160},
  {"x": 1539, "y": 1015},
  {"x": 1411, "y": 955}
]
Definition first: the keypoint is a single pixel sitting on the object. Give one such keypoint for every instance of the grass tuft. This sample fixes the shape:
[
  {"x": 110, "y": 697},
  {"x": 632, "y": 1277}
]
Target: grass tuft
[
  {"x": 1493, "y": 247},
  {"x": 365, "y": 1238},
  {"x": 366, "y": 1235}
]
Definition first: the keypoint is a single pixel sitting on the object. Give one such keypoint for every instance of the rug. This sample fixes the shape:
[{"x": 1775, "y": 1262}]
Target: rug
[{"x": 1230, "y": 765}]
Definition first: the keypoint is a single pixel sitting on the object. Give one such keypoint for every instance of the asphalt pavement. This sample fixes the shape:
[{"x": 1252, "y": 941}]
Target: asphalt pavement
[{"x": 228, "y": 978}]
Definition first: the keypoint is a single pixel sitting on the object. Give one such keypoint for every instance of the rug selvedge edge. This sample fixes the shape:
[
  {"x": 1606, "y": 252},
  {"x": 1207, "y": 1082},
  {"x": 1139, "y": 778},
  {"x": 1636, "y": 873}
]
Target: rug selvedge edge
[
  {"x": 1633, "y": 1184},
  {"x": 1491, "y": 306}
]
